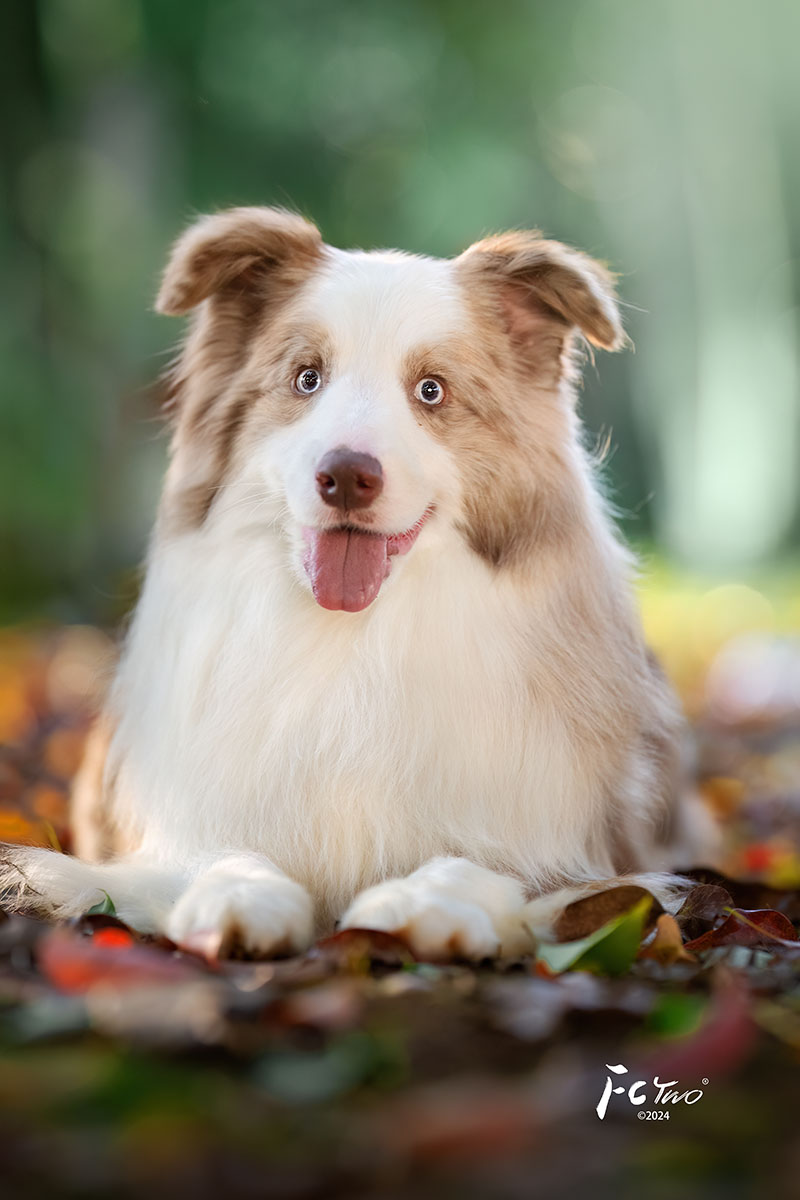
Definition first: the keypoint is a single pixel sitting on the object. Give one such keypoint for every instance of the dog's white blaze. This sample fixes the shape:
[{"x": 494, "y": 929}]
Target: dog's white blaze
[{"x": 377, "y": 309}]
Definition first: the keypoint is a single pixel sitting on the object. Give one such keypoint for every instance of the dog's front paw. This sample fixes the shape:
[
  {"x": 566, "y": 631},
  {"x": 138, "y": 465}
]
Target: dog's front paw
[
  {"x": 449, "y": 908},
  {"x": 242, "y": 905},
  {"x": 434, "y": 926}
]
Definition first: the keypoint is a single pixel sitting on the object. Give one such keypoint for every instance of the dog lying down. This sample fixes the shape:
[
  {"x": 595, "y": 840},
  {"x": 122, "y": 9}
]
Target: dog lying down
[{"x": 386, "y": 667}]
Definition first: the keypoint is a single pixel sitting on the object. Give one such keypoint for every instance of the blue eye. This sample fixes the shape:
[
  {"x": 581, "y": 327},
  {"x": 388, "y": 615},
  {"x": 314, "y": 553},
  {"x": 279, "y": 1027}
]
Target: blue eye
[
  {"x": 308, "y": 381},
  {"x": 429, "y": 391}
]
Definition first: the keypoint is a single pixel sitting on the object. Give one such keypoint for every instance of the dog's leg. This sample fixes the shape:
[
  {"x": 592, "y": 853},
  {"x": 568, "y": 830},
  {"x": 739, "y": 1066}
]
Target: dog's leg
[
  {"x": 448, "y": 908},
  {"x": 242, "y": 902},
  {"x": 542, "y": 913},
  {"x": 58, "y": 885}
]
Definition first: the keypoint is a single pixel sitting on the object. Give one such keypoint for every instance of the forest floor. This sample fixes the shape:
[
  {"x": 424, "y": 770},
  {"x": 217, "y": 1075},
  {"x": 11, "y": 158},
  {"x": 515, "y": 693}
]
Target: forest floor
[{"x": 130, "y": 1069}]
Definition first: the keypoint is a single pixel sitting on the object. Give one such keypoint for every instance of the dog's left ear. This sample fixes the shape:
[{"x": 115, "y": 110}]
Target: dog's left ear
[
  {"x": 539, "y": 280},
  {"x": 242, "y": 246}
]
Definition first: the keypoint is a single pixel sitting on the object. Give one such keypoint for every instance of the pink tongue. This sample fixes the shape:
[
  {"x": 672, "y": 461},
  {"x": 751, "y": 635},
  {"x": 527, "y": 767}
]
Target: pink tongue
[{"x": 346, "y": 569}]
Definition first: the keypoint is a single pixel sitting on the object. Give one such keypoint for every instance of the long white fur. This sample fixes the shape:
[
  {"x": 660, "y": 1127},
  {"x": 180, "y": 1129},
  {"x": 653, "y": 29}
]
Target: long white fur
[{"x": 344, "y": 750}]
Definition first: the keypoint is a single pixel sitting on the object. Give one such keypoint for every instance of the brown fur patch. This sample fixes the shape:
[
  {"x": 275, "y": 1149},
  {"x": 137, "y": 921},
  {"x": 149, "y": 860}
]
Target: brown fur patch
[
  {"x": 507, "y": 425},
  {"x": 543, "y": 276},
  {"x": 242, "y": 246},
  {"x": 286, "y": 346},
  {"x": 509, "y": 417},
  {"x": 242, "y": 268},
  {"x": 96, "y": 835}
]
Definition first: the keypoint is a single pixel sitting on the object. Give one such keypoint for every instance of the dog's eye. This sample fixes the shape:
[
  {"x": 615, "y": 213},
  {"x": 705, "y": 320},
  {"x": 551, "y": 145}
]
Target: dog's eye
[
  {"x": 429, "y": 391},
  {"x": 308, "y": 381}
]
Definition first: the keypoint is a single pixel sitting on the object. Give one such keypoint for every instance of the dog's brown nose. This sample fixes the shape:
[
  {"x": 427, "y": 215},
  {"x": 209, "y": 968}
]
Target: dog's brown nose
[{"x": 347, "y": 479}]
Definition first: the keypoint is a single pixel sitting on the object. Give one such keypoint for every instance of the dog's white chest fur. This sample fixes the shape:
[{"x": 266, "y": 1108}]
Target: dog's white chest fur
[{"x": 345, "y": 747}]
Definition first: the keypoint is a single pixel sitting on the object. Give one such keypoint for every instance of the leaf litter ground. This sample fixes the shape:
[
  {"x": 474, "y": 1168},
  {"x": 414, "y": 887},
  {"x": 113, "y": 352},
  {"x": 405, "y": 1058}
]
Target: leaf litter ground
[{"x": 129, "y": 1068}]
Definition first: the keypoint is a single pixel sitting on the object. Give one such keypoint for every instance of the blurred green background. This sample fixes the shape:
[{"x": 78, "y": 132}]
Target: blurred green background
[{"x": 661, "y": 136}]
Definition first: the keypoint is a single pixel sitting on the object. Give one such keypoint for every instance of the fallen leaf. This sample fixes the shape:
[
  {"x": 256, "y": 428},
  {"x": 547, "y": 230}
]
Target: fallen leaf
[
  {"x": 103, "y": 908},
  {"x": 113, "y": 936},
  {"x": 667, "y": 946},
  {"x": 356, "y": 950},
  {"x": 751, "y": 894},
  {"x": 587, "y": 915},
  {"x": 677, "y": 1014},
  {"x": 753, "y": 927},
  {"x": 610, "y": 950},
  {"x": 705, "y": 905},
  {"x": 75, "y": 963},
  {"x": 95, "y": 922}
]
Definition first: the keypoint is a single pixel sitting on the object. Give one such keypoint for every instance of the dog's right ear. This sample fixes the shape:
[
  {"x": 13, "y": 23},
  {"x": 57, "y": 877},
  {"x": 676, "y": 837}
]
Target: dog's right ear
[
  {"x": 539, "y": 280},
  {"x": 242, "y": 245}
]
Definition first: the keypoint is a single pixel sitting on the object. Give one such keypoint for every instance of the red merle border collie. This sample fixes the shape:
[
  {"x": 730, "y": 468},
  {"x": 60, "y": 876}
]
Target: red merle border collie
[{"x": 386, "y": 668}]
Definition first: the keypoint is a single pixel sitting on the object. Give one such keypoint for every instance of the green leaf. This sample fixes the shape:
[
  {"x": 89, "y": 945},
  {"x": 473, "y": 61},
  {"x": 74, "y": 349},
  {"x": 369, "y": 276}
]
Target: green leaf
[
  {"x": 103, "y": 908},
  {"x": 676, "y": 1014},
  {"x": 610, "y": 950}
]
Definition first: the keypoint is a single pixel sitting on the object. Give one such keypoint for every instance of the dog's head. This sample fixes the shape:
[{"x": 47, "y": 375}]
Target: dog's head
[{"x": 363, "y": 401}]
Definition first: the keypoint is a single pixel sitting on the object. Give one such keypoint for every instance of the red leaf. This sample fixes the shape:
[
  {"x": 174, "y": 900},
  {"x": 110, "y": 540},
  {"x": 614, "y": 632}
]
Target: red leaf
[
  {"x": 113, "y": 936},
  {"x": 75, "y": 963},
  {"x": 758, "y": 857},
  {"x": 749, "y": 927}
]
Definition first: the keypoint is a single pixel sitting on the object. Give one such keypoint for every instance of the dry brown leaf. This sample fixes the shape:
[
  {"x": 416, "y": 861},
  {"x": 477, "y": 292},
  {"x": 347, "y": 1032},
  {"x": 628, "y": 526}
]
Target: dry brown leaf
[
  {"x": 705, "y": 906},
  {"x": 667, "y": 946},
  {"x": 585, "y": 916}
]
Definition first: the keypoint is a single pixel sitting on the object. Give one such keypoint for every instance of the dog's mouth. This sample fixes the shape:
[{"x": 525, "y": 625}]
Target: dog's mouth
[{"x": 347, "y": 565}]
